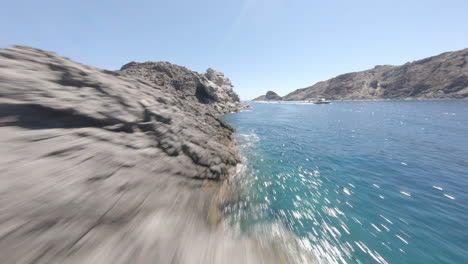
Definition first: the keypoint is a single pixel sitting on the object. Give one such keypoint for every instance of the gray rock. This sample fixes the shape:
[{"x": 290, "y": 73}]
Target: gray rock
[
  {"x": 211, "y": 88},
  {"x": 125, "y": 166}
]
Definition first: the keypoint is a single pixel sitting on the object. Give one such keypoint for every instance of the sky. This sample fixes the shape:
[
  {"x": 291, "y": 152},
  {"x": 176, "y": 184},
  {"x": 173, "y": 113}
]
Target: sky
[{"x": 261, "y": 45}]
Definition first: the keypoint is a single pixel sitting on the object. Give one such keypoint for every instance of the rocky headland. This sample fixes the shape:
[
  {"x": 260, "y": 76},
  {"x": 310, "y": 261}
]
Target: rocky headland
[
  {"x": 127, "y": 166},
  {"x": 444, "y": 76},
  {"x": 269, "y": 96}
]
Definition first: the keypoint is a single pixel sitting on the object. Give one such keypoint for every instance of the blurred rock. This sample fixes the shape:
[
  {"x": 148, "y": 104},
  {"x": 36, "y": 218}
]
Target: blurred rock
[{"x": 102, "y": 166}]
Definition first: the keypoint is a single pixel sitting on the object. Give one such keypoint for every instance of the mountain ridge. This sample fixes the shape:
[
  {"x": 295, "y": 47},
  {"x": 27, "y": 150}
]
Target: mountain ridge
[{"x": 443, "y": 76}]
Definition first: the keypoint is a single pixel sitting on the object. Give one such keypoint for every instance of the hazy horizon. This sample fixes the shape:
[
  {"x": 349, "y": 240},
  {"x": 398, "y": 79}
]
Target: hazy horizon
[{"x": 260, "y": 45}]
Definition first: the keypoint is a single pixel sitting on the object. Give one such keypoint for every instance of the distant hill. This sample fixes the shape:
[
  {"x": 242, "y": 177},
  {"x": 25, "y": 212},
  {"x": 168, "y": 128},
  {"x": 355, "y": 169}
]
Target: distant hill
[
  {"x": 444, "y": 76},
  {"x": 269, "y": 96}
]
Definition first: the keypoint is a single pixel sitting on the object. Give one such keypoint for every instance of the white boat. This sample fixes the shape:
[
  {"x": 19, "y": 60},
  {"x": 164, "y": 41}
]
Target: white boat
[{"x": 322, "y": 101}]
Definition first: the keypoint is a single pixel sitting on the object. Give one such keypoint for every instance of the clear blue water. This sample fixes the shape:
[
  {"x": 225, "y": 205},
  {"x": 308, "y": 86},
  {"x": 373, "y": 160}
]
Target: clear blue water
[{"x": 358, "y": 182}]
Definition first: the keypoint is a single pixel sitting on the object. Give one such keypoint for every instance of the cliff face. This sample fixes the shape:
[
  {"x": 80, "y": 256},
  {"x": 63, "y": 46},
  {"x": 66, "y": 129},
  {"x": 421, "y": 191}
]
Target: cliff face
[
  {"x": 440, "y": 77},
  {"x": 103, "y": 166},
  {"x": 269, "y": 96}
]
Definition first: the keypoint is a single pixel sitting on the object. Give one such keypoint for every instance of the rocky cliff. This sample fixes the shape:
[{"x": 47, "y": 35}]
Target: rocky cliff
[
  {"x": 102, "y": 166},
  {"x": 210, "y": 89},
  {"x": 440, "y": 77},
  {"x": 269, "y": 96}
]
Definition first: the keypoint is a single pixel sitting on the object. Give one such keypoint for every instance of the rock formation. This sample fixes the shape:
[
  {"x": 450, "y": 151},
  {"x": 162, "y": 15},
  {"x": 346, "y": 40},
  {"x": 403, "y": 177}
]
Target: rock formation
[
  {"x": 211, "y": 89},
  {"x": 440, "y": 77},
  {"x": 269, "y": 96},
  {"x": 102, "y": 166}
]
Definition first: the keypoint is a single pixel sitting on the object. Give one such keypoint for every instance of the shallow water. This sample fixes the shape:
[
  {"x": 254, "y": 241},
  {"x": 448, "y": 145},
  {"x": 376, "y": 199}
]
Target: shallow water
[{"x": 358, "y": 182}]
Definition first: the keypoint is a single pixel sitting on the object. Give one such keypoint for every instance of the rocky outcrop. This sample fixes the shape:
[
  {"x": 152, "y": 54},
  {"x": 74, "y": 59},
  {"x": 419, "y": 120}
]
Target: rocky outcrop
[
  {"x": 211, "y": 89},
  {"x": 440, "y": 77},
  {"x": 269, "y": 96},
  {"x": 103, "y": 166}
]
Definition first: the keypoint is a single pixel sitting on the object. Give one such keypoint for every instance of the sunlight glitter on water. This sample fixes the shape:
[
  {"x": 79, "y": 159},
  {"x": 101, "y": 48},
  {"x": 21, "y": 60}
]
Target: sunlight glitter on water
[{"x": 354, "y": 200}]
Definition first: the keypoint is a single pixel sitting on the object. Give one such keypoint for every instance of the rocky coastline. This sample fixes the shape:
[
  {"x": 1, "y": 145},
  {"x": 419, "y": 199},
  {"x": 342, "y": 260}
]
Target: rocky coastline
[
  {"x": 126, "y": 166},
  {"x": 444, "y": 76}
]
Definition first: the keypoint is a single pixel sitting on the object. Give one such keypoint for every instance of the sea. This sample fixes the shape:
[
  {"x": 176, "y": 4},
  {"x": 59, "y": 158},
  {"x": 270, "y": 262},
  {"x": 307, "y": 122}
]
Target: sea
[{"x": 356, "y": 182}]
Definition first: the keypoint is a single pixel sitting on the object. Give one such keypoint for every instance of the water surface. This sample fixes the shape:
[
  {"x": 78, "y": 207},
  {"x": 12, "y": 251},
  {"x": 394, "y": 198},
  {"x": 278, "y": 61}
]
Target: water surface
[{"x": 358, "y": 182}]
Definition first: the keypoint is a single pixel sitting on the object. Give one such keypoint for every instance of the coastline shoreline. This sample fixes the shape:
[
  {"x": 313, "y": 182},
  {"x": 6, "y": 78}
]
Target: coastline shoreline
[{"x": 370, "y": 100}]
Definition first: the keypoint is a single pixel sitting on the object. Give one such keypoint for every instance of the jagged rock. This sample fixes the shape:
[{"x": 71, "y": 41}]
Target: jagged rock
[
  {"x": 103, "y": 166},
  {"x": 210, "y": 88}
]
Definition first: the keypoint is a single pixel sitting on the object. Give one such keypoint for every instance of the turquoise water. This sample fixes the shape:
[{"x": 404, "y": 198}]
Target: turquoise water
[{"x": 358, "y": 182}]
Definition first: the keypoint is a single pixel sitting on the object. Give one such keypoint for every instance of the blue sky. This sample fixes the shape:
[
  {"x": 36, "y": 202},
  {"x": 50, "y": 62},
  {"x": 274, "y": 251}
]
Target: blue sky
[{"x": 262, "y": 45}]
